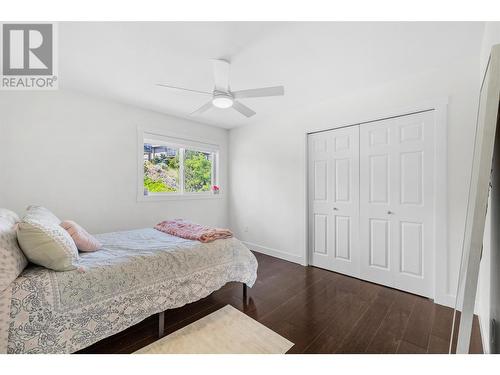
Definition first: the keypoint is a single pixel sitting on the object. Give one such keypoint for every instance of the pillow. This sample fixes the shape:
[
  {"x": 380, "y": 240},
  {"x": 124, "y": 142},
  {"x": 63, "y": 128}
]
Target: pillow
[
  {"x": 40, "y": 213},
  {"x": 9, "y": 216},
  {"x": 83, "y": 240},
  {"x": 44, "y": 242},
  {"x": 12, "y": 259}
]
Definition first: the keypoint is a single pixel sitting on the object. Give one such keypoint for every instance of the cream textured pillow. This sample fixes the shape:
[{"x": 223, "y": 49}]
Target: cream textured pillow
[
  {"x": 83, "y": 240},
  {"x": 12, "y": 259},
  {"x": 44, "y": 242},
  {"x": 42, "y": 214}
]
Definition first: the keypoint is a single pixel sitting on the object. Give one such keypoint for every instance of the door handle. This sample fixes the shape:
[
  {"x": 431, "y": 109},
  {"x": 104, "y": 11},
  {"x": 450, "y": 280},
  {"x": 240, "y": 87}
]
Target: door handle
[
  {"x": 390, "y": 213},
  {"x": 335, "y": 209}
]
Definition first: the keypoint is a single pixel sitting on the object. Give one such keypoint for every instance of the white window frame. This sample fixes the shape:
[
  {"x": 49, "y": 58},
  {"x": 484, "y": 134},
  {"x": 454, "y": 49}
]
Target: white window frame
[{"x": 181, "y": 143}]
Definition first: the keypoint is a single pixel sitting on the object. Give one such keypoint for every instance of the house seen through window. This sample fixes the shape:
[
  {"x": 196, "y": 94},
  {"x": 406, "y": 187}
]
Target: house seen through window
[{"x": 174, "y": 168}]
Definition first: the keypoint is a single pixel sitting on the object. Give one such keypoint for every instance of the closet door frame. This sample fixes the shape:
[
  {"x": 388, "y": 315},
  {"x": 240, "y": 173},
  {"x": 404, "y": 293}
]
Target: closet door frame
[{"x": 444, "y": 292}]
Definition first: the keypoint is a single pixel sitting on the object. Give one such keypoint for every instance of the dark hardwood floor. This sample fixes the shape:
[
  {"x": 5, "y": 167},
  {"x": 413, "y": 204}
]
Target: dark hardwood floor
[{"x": 319, "y": 311}]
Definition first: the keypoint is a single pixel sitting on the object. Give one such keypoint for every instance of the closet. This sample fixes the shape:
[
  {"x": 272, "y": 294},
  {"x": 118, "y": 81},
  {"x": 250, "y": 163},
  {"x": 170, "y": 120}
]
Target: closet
[{"x": 371, "y": 201}]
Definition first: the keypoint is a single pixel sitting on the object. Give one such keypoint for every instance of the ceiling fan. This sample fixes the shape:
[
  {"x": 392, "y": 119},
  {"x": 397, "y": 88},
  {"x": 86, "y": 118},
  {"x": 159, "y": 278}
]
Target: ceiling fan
[{"x": 223, "y": 97}]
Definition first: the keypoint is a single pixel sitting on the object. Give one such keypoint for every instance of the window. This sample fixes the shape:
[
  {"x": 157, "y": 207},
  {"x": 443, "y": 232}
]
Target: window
[
  {"x": 197, "y": 171},
  {"x": 174, "y": 166},
  {"x": 161, "y": 169}
]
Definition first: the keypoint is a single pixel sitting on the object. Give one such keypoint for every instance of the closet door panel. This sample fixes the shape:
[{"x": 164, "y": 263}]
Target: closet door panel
[
  {"x": 334, "y": 200},
  {"x": 320, "y": 199},
  {"x": 396, "y": 202},
  {"x": 414, "y": 209},
  {"x": 345, "y": 210},
  {"x": 343, "y": 238},
  {"x": 376, "y": 198},
  {"x": 379, "y": 243}
]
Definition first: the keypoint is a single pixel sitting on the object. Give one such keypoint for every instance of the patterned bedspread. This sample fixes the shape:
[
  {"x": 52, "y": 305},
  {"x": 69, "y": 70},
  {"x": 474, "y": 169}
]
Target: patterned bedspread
[{"x": 138, "y": 273}]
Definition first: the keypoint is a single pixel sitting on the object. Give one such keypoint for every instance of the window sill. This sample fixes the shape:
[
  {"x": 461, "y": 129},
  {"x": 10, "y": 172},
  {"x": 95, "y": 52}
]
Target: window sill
[{"x": 176, "y": 197}]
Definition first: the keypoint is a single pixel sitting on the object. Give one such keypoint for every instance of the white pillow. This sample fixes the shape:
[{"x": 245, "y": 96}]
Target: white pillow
[
  {"x": 42, "y": 214},
  {"x": 46, "y": 243},
  {"x": 9, "y": 215},
  {"x": 12, "y": 259}
]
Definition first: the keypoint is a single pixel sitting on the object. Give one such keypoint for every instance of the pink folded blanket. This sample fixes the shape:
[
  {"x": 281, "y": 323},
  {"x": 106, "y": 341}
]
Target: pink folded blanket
[{"x": 191, "y": 231}]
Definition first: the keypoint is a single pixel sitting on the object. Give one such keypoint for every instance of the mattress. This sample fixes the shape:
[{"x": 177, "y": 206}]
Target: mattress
[{"x": 137, "y": 274}]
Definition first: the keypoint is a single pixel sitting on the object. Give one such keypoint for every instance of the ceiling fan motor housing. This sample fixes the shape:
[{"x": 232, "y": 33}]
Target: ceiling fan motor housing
[{"x": 222, "y": 99}]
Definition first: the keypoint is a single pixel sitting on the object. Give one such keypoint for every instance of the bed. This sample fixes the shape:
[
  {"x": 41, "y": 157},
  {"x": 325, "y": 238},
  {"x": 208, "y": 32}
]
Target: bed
[{"x": 137, "y": 274}]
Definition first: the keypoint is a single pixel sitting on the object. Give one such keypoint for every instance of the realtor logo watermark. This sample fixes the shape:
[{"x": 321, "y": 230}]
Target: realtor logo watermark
[{"x": 29, "y": 58}]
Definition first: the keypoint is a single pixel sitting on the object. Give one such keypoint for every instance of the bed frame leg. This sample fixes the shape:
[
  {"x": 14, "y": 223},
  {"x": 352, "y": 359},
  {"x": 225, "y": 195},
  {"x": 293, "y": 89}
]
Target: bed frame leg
[
  {"x": 161, "y": 324},
  {"x": 244, "y": 293}
]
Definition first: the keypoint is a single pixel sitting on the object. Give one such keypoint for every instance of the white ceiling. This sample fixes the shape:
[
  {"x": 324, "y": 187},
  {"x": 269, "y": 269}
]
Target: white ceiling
[{"x": 314, "y": 61}]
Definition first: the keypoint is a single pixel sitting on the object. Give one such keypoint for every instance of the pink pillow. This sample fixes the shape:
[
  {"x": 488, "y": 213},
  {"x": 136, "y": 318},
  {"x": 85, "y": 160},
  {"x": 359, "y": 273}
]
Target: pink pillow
[{"x": 83, "y": 240}]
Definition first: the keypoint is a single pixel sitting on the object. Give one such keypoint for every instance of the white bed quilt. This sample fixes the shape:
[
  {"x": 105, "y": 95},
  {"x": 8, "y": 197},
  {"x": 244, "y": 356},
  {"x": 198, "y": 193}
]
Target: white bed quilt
[{"x": 138, "y": 273}]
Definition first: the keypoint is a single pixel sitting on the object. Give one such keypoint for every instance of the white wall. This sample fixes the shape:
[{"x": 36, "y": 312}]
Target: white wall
[
  {"x": 77, "y": 155},
  {"x": 268, "y": 160},
  {"x": 486, "y": 291}
]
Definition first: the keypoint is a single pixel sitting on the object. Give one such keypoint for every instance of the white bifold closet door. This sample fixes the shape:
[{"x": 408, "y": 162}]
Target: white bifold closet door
[
  {"x": 334, "y": 200},
  {"x": 397, "y": 202},
  {"x": 371, "y": 201}
]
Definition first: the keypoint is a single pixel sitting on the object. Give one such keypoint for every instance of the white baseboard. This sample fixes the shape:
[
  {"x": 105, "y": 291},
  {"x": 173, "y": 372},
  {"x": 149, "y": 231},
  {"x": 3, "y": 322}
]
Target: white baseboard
[{"x": 275, "y": 253}]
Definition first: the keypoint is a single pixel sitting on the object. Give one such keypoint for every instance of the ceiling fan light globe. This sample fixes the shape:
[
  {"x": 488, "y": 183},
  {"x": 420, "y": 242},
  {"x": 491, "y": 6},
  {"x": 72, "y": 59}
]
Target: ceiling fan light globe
[{"x": 222, "y": 102}]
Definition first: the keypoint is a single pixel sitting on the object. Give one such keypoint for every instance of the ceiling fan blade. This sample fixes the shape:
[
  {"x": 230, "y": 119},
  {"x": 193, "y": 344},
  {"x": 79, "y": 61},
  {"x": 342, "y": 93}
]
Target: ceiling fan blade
[
  {"x": 221, "y": 75},
  {"x": 257, "y": 93},
  {"x": 182, "y": 88},
  {"x": 243, "y": 109},
  {"x": 203, "y": 108}
]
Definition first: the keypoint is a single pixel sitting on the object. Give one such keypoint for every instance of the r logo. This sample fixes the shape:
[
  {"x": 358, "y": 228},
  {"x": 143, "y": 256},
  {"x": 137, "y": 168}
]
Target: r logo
[{"x": 27, "y": 49}]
